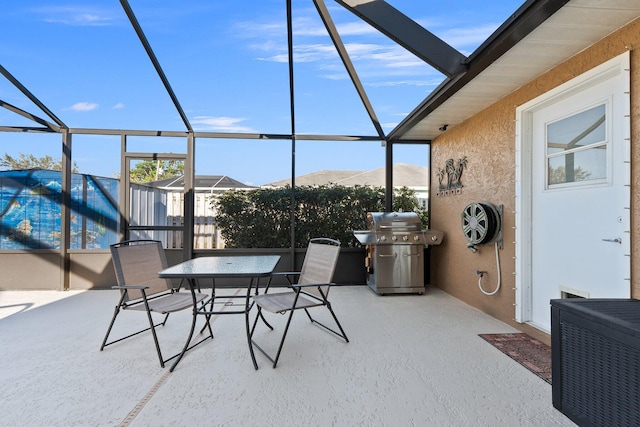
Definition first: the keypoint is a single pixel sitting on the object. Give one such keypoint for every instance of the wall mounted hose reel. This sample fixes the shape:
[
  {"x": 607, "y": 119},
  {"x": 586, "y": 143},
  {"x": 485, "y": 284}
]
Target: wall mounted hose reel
[{"x": 481, "y": 225}]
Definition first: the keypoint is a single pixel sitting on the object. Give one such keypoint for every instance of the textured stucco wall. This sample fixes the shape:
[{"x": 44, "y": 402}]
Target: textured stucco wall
[{"x": 487, "y": 140}]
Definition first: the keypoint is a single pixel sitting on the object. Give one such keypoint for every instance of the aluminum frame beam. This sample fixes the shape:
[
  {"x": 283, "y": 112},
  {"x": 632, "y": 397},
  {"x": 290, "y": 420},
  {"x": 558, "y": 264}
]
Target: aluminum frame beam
[
  {"x": 48, "y": 125},
  {"x": 408, "y": 34},
  {"x": 155, "y": 62},
  {"x": 346, "y": 60},
  {"x": 33, "y": 99}
]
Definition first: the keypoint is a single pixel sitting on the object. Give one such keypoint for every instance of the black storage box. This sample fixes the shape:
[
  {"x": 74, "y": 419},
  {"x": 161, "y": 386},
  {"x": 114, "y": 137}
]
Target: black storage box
[{"x": 595, "y": 354}]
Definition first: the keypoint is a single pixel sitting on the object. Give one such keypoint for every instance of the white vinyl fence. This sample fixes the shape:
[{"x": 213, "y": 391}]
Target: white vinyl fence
[
  {"x": 206, "y": 235},
  {"x": 155, "y": 207}
]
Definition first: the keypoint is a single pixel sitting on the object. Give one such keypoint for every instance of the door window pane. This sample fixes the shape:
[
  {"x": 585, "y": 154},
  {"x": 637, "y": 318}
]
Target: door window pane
[
  {"x": 585, "y": 165},
  {"x": 576, "y": 148}
]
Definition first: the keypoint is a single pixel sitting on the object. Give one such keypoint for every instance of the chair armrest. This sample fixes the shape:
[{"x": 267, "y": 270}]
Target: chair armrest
[
  {"x": 299, "y": 289},
  {"x": 311, "y": 285},
  {"x": 287, "y": 274},
  {"x": 130, "y": 287}
]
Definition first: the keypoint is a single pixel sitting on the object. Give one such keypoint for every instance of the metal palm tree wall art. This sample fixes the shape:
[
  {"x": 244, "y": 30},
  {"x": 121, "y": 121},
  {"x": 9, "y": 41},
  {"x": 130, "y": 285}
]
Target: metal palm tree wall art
[{"x": 453, "y": 172}]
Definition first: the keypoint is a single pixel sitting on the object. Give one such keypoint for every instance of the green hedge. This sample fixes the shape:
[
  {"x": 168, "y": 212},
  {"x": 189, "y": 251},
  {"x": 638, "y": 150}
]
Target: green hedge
[{"x": 260, "y": 218}]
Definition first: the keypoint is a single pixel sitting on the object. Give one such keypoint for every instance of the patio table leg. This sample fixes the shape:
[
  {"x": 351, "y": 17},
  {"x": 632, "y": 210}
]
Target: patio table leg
[
  {"x": 213, "y": 299},
  {"x": 246, "y": 319},
  {"x": 193, "y": 328}
]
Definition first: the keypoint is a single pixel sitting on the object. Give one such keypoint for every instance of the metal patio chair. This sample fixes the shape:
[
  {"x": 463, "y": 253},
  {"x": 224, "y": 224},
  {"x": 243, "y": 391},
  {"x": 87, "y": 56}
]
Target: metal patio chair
[
  {"x": 136, "y": 264},
  {"x": 311, "y": 289}
]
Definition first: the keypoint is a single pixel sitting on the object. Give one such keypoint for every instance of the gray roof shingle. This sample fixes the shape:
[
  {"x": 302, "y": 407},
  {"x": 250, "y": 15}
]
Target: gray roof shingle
[{"x": 404, "y": 175}]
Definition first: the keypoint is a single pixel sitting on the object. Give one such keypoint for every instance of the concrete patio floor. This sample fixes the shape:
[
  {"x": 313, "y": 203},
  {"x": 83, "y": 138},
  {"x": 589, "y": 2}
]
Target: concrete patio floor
[{"x": 412, "y": 361}]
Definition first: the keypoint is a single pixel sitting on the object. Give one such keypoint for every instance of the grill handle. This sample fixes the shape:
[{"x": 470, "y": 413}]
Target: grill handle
[
  {"x": 395, "y": 255},
  {"x": 399, "y": 227}
]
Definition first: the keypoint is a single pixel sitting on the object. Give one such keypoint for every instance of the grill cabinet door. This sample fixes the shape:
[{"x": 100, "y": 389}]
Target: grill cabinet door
[{"x": 399, "y": 266}]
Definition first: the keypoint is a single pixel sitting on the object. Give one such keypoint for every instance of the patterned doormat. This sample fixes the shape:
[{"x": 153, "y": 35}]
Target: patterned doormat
[{"x": 529, "y": 352}]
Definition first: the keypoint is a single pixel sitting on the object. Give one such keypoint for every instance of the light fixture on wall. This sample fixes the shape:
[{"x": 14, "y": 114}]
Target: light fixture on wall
[{"x": 443, "y": 128}]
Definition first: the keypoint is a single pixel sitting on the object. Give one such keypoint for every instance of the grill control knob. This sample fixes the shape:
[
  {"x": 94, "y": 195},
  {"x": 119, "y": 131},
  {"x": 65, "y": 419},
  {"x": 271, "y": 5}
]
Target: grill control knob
[
  {"x": 405, "y": 238},
  {"x": 416, "y": 238},
  {"x": 383, "y": 238},
  {"x": 394, "y": 238}
]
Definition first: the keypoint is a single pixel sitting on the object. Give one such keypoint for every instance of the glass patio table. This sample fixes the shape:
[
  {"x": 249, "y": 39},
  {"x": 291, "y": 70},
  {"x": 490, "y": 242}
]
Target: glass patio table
[{"x": 252, "y": 267}]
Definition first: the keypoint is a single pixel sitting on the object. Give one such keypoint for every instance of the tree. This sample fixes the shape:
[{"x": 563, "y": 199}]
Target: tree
[
  {"x": 154, "y": 170},
  {"x": 559, "y": 175},
  {"x": 29, "y": 161},
  {"x": 406, "y": 200}
]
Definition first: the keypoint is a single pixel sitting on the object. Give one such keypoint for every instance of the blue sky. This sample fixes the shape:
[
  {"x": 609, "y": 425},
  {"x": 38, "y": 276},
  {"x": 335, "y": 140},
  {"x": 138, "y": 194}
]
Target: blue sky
[{"x": 227, "y": 64}]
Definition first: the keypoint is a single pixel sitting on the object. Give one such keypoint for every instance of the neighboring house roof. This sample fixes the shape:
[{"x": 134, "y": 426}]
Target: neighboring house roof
[
  {"x": 404, "y": 175},
  {"x": 201, "y": 183},
  {"x": 316, "y": 178}
]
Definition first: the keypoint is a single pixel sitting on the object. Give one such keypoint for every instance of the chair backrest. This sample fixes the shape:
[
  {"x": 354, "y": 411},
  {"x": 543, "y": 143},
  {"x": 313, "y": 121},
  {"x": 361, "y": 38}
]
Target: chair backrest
[
  {"x": 137, "y": 262},
  {"x": 319, "y": 264}
]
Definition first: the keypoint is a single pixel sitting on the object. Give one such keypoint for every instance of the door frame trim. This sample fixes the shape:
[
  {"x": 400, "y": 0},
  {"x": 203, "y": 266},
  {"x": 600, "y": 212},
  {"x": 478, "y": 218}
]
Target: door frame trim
[{"x": 616, "y": 67}]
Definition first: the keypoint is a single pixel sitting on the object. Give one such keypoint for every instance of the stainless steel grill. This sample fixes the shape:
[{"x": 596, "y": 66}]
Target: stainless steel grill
[{"x": 395, "y": 243}]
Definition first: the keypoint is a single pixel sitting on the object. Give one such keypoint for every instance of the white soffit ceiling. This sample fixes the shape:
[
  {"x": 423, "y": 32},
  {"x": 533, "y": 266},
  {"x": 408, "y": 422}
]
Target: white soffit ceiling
[{"x": 576, "y": 26}]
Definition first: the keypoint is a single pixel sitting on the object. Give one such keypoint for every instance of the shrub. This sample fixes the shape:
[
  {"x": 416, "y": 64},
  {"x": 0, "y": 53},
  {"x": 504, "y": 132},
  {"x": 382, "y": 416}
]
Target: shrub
[{"x": 261, "y": 218}]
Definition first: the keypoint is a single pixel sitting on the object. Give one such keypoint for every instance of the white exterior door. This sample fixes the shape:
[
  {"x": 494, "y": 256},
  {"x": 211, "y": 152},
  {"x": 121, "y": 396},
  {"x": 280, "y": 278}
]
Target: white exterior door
[{"x": 578, "y": 196}]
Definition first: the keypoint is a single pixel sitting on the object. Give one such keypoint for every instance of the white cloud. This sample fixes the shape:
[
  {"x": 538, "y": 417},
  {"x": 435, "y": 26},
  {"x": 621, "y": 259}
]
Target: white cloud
[
  {"x": 221, "y": 124},
  {"x": 84, "y": 106},
  {"x": 77, "y": 16},
  {"x": 416, "y": 83},
  {"x": 355, "y": 29},
  {"x": 314, "y": 52},
  {"x": 258, "y": 30},
  {"x": 385, "y": 55},
  {"x": 468, "y": 37},
  {"x": 379, "y": 61},
  {"x": 118, "y": 106},
  {"x": 303, "y": 26},
  {"x": 307, "y": 27}
]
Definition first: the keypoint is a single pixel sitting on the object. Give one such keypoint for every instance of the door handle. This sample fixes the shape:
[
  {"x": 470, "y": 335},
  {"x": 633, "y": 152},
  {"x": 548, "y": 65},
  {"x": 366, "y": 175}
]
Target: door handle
[{"x": 616, "y": 240}]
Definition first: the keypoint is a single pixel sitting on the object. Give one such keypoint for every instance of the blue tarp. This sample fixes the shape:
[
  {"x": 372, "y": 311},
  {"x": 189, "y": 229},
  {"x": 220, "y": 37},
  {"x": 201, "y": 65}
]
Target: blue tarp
[{"x": 30, "y": 210}]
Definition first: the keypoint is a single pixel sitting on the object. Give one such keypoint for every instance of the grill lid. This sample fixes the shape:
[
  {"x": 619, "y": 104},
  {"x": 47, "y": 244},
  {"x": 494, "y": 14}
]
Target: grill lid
[
  {"x": 393, "y": 221},
  {"x": 396, "y": 228}
]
